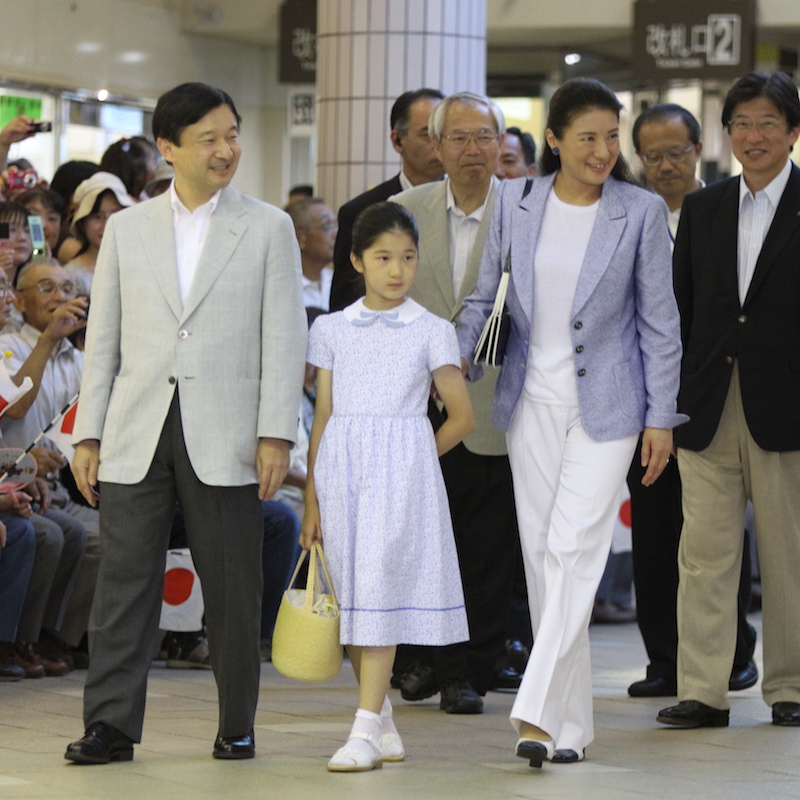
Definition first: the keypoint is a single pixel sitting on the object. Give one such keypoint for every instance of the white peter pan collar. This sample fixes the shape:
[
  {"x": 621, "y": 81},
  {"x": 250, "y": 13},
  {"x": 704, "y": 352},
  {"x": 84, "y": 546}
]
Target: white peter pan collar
[{"x": 405, "y": 313}]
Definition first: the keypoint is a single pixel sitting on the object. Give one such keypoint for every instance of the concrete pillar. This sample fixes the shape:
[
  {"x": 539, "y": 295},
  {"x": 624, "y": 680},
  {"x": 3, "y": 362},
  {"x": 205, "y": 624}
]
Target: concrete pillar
[{"x": 368, "y": 53}]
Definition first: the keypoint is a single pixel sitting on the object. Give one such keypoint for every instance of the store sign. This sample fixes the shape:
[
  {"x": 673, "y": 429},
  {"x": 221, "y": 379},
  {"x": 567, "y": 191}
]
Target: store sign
[
  {"x": 298, "y": 45},
  {"x": 12, "y": 107},
  {"x": 713, "y": 39}
]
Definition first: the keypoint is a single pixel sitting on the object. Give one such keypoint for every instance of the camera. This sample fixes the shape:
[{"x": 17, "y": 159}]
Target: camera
[
  {"x": 41, "y": 127},
  {"x": 21, "y": 179}
]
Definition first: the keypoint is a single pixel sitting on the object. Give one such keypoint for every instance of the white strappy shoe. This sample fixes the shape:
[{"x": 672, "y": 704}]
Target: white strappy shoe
[
  {"x": 392, "y": 747},
  {"x": 353, "y": 758}
]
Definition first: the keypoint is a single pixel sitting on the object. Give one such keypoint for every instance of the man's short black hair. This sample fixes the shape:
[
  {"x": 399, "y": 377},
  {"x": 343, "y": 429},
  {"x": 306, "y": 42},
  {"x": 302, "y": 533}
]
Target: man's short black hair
[
  {"x": 662, "y": 112},
  {"x": 775, "y": 86},
  {"x": 184, "y": 105},
  {"x": 527, "y": 143},
  {"x": 401, "y": 110}
]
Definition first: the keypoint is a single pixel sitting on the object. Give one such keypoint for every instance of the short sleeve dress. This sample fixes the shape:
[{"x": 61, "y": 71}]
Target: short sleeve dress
[{"x": 385, "y": 517}]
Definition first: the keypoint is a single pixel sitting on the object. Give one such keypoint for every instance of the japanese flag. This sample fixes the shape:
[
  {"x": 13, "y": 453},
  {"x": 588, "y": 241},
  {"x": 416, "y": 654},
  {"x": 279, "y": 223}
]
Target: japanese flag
[
  {"x": 9, "y": 391},
  {"x": 182, "y": 607},
  {"x": 61, "y": 434}
]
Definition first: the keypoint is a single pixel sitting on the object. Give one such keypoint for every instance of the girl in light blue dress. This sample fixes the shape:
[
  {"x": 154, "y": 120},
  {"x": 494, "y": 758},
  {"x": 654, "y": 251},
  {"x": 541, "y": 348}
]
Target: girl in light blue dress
[{"x": 375, "y": 494}]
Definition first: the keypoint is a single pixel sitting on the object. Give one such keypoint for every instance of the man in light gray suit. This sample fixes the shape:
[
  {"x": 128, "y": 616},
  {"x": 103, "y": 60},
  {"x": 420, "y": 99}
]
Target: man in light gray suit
[
  {"x": 453, "y": 218},
  {"x": 194, "y": 366}
]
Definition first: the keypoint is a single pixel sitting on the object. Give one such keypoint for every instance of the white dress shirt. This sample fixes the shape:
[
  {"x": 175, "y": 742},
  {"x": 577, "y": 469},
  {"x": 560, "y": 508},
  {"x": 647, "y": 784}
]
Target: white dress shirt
[
  {"x": 317, "y": 294},
  {"x": 463, "y": 229},
  {"x": 756, "y": 213},
  {"x": 191, "y": 229}
]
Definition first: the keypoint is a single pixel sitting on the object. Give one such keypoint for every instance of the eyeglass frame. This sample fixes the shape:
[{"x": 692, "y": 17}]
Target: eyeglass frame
[
  {"x": 765, "y": 126},
  {"x": 476, "y": 135},
  {"x": 673, "y": 158},
  {"x": 62, "y": 287},
  {"x": 5, "y": 288}
]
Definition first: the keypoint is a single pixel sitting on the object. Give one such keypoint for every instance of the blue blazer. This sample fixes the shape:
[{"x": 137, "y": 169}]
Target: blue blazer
[{"x": 625, "y": 326}]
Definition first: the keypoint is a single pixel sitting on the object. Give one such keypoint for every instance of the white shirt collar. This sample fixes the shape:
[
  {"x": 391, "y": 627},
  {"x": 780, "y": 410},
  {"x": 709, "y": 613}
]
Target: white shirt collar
[
  {"x": 179, "y": 209},
  {"x": 773, "y": 190},
  {"x": 407, "y": 312},
  {"x": 478, "y": 212}
]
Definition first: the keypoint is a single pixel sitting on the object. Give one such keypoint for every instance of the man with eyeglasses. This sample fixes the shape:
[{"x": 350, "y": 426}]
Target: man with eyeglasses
[
  {"x": 667, "y": 140},
  {"x": 453, "y": 218},
  {"x": 737, "y": 284},
  {"x": 42, "y": 350},
  {"x": 315, "y": 227}
]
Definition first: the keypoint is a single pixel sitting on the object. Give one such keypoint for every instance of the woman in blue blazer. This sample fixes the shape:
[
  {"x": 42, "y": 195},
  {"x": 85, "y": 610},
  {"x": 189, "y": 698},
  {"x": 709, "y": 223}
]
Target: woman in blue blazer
[{"x": 592, "y": 360}]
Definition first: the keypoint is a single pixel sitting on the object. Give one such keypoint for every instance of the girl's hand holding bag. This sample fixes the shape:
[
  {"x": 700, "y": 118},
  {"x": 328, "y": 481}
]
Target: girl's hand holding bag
[{"x": 305, "y": 642}]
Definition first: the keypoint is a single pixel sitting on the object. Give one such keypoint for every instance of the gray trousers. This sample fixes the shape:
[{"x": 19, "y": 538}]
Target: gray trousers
[{"x": 225, "y": 534}]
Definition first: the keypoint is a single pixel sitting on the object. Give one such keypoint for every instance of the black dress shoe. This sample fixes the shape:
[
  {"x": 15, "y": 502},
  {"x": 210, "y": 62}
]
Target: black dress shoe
[
  {"x": 568, "y": 756},
  {"x": 785, "y": 713},
  {"x": 100, "y": 744},
  {"x": 459, "y": 697},
  {"x": 743, "y": 678},
  {"x": 419, "y": 683},
  {"x": 505, "y": 679},
  {"x": 694, "y": 714},
  {"x": 235, "y": 747},
  {"x": 517, "y": 655},
  {"x": 658, "y": 686}
]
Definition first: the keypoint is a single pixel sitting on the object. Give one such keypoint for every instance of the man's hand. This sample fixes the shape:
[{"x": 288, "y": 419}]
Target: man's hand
[
  {"x": 48, "y": 460},
  {"x": 272, "y": 464},
  {"x": 84, "y": 468},
  {"x": 656, "y": 449},
  {"x": 2, "y": 535},
  {"x": 40, "y": 492},
  {"x": 67, "y": 318}
]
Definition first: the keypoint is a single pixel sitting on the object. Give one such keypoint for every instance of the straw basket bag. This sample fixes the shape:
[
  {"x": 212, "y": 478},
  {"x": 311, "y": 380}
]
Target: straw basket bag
[{"x": 305, "y": 642}]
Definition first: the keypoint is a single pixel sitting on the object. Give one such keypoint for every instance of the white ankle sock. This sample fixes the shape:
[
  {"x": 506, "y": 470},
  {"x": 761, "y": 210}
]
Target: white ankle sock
[{"x": 365, "y": 723}]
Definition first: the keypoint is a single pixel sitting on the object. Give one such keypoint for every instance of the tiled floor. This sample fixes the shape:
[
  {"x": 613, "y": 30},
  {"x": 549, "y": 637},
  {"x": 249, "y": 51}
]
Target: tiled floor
[{"x": 448, "y": 757}]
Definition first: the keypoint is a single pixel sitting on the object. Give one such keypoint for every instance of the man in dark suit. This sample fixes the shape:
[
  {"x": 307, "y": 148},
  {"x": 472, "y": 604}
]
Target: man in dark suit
[
  {"x": 737, "y": 282},
  {"x": 667, "y": 140},
  {"x": 409, "y": 120}
]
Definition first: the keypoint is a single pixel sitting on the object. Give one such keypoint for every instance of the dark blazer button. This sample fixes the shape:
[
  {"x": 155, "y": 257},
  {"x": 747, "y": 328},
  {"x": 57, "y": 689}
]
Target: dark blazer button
[
  {"x": 579, "y": 348},
  {"x": 581, "y": 373},
  {"x": 578, "y": 326},
  {"x": 172, "y": 379},
  {"x": 742, "y": 318}
]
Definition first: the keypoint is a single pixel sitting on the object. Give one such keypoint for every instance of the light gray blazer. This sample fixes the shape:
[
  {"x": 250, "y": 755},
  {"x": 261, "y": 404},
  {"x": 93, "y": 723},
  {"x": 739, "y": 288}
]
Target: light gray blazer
[
  {"x": 624, "y": 325},
  {"x": 237, "y": 349},
  {"x": 433, "y": 288}
]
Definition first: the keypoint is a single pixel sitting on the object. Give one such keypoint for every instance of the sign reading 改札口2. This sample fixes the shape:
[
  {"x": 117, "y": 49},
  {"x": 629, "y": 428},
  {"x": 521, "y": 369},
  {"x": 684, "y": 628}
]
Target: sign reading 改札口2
[{"x": 712, "y": 39}]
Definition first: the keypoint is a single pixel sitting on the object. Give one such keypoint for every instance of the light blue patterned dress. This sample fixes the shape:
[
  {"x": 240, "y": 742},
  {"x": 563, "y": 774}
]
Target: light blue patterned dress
[{"x": 385, "y": 518}]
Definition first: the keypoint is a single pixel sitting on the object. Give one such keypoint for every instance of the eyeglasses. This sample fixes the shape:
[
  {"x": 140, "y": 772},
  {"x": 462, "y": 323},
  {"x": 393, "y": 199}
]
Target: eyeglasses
[
  {"x": 326, "y": 227},
  {"x": 5, "y": 288},
  {"x": 458, "y": 140},
  {"x": 675, "y": 155},
  {"x": 765, "y": 125},
  {"x": 47, "y": 287}
]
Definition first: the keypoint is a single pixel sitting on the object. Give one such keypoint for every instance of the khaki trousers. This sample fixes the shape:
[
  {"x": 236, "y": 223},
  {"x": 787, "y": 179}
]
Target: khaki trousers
[{"x": 717, "y": 482}]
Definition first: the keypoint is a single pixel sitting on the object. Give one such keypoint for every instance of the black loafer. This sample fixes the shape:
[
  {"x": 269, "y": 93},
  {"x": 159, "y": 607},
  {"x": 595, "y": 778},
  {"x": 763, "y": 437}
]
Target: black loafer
[
  {"x": 785, "y": 713},
  {"x": 459, "y": 697},
  {"x": 235, "y": 747},
  {"x": 505, "y": 679},
  {"x": 565, "y": 756},
  {"x": 743, "y": 678},
  {"x": 694, "y": 714},
  {"x": 100, "y": 744},
  {"x": 654, "y": 687},
  {"x": 418, "y": 684}
]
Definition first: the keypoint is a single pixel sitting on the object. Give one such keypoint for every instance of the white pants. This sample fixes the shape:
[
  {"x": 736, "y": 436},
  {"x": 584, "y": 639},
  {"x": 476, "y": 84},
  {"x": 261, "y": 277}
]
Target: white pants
[{"x": 567, "y": 488}]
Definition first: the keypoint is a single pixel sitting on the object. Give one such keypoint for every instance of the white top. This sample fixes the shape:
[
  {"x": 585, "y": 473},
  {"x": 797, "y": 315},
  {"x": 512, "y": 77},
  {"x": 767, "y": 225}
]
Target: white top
[
  {"x": 317, "y": 294},
  {"x": 563, "y": 239},
  {"x": 191, "y": 229},
  {"x": 462, "y": 232},
  {"x": 755, "y": 217}
]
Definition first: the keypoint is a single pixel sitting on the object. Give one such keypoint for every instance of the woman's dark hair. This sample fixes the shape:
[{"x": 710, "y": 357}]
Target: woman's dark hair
[
  {"x": 575, "y": 97},
  {"x": 380, "y": 218},
  {"x": 70, "y": 175},
  {"x": 775, "y": 86},
  {"x": 184, "y": 105},
  {"x": 13, "y": 212},
  {"x": 129, "y": 160},
  {"x": 79, "y": 230},
  {"x": 51, "y": 200}
]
